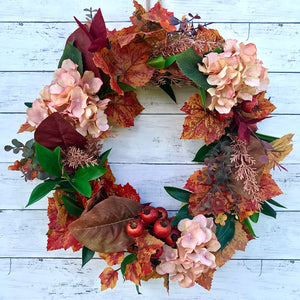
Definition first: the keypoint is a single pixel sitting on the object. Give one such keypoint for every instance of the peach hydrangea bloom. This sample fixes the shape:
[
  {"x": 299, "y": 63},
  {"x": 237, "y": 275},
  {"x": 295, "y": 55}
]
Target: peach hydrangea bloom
[
  {"x": 75, "y": 98},
  {"x": 193, "y": 254},
  {"x": 237, "y": 74}
]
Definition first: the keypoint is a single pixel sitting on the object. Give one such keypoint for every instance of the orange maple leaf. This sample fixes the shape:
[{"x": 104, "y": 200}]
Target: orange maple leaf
[
  {"x": 205, "y": 279},
  {"x": 109, "y": 278},
  {"x": 123, "y": 109},
  {"x": 133, "y": 272},
  {"x": 128, "y": 191},
  {"x": 239, "y": 242},
  {"x": 197, "y": 182},
  {"x": 201, "y": 124},
  {"x": 268, "y": 187},
  {"x": 59, "y": 235},
  {"x": 147, "y": 245},
  {"x": 112, "y": 258},
  {"x": 26, "y": 127},
  {"x": 127, "y": 64}
]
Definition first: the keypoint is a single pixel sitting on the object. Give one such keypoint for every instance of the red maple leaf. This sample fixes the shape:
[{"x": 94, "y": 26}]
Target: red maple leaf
[
  {"x": 123, "y": 109},
  {"x": 112, "y": 259},
  {"x": 201, "y": 124},
  {"x": 133, "y": 272},
  {"x": 109, "y": 278},
  {"x": 128, "y": 191},
  {"x": 205, "y": 279},
  {"x": 268, "y": 187},
  {"x": 197, "y": 182}
]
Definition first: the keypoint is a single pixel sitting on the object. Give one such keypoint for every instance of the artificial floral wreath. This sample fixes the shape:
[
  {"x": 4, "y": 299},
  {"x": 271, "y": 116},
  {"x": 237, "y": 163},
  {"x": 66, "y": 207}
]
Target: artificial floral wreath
[{"x": 94, "y": 87}]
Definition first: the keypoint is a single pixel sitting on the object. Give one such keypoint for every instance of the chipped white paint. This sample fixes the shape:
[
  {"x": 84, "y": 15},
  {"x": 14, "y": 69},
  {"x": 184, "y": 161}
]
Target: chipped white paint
[{"x": 150, "y": 155}]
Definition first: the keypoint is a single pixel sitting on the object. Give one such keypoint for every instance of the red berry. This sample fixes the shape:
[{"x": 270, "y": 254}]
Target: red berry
[
  {"x": 172, "y": 238},
  {"x": 162, "y": 228},
  {"x": 225, "y": 117},
  {"x": 162, "y": 213},
  {"x": 135, "y": 227},
  {"x": 248, "y": 106},
  {"x": 158, "y": 253},
  {"x": 149, "y": 214}
]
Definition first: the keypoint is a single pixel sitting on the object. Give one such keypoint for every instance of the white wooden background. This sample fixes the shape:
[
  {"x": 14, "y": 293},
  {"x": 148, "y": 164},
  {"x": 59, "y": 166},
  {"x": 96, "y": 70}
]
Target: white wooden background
[{"x": 150, "y": 155}]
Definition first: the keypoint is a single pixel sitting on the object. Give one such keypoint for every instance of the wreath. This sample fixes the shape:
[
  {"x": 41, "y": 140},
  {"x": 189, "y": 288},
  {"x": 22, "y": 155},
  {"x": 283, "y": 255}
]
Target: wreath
[{"x": 93, "y": 90}]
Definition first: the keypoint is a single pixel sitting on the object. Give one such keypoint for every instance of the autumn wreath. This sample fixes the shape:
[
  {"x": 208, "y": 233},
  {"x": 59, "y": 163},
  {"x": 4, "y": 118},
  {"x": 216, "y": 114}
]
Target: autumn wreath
[{"x": 93, "y": 87}]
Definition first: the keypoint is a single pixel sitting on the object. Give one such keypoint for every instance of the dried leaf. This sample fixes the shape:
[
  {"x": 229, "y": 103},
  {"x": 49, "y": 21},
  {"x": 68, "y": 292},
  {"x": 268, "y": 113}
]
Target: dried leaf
[
  {"x": 197, "y": 182},
  {"x": 155, "y": 275},
  {"x": 109, "y": 278},
  {"x": 268, "y": 187},
  {"x": 123, "y": 109},
  {"x": 205, "y": 279},
  {"x": 26, "y": 127},
  {"x": 128, "y": 191},
  {"x": 201, "y": 124},
  {"x": 103, "y": 228},
  {"x": 134, "y": 272},
  {"x": 239, "y": 242},
  {"x": 112, "y": 259}
]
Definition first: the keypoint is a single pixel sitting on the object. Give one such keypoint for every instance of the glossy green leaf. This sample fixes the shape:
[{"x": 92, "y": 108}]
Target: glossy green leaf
[
  {"x": 203, "y": 151},
  {"x": 71, "y": 206},
  {"x": 167, "y": 88},
  {"x": 169, "y": 60},
  {"x": 203, "y": 96},
  {"x": 82, "y": 186},
  {"x": 249, "y": 227},
  {"x": 50, "y": 161},
  {"x": 65, "y": 186},
  {"x": 104, "y": 156},
  {"x": 88, "y": 173},
  {"x": 126, "y": 87},
  {"x": 271, "y": 201},
  {"x": 187, "y": 62},
  {"x": 182, "y": 213},
  {"x": 28, "y": 104},
  {"x": 71, "y": 52},
  {"x": 266, "y": 209},
  {"x": 267, "y": 138},
  {"x": 254, "y": 218},
  {"x": 226, "y": 233},
  {"x": 129, "y": 259},
  {"x": 157, "y": 62},
  {"x": 87, "y": 255},
  {"x": 178, "y": 194},
  {"x": 41, "y": 191},
  {"x": 138, "y": 290}
]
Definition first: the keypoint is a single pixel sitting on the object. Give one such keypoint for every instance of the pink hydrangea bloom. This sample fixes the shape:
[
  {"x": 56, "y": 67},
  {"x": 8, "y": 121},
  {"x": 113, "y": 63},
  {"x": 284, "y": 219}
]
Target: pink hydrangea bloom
[
  {"x": 75, "y": 98},
  {"x": 237, "y": 74},
  {"x": 193, "y": 254}
]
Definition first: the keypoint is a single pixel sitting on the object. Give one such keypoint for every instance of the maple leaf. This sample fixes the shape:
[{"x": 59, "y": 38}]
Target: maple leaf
[
  {"x": 26, "y": 127},
  {"x": 239, "y": 242},
  {"x": 59, "y": 235},
  {"x": 137, "y": 19},
  {"x": 205, "y": 279},
  {"x": 147, "y": 245},
  {"x": 108, "y": 180},
  {"x": 201, "y": 124},
  {"x": 112, "y": 259},
  {"x": 109, "y": 278},
  {"x": 268, "y": 187},
  {"x": 127, "y": 64},
  {"x": 128, "y": 191},
  {"x": 155, "y": 275},
  {"x": 197, "y": 182},
  {"x": 133, "y": 272},
  {"x": 123, "y": 109},
  {"x": 281, "y": 148}
]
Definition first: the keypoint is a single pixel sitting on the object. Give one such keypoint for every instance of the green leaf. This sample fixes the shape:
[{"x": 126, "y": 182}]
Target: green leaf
[
  {"x": 50, "y": 161},
  {"x": 226, "y": 233},
  {"x": 203, "y": 151},
  {"x": 129, "y": 259},
  {"x": 178, "y": 194},
  {"x": 157, "y": 62},
  {"x": 167, "y": 88},
  {"x": 65, "y": 186},
  {"x": 203, "y": 95},
  {"x": 271, "y": 201},
  {"x": 17, "y": 143},
  {"x": 28, "y": 104},
  {"x": 87, "y": 255},
  {"x": 267, "y": 138},
  {"x": 104, "y": 156},
  {"x": 249, "y": 227},
  {"x": 138, "y": 290},
  {"x": 182, "y": 213},
  {"x": 254, "y": 218},
  {"x": 126, "y": 87},
  {"x": 41, "y": 190},
  {"x": 266, "y": 209},
  {"x": 71, "y": 206},
  {"x": 187, "y": 62},
  {"x": 74, "y": 54},
  {"x": 219, "y": 49},
  {"x": 82, "y": 186},
  {"x": 88, "y": 173},
  {"x": 169, "y": 60}
]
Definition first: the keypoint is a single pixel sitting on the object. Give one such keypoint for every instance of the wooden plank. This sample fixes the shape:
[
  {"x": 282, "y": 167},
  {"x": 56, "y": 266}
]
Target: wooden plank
[
  {"x": 32, "y": 48},
  {"x": 65, "y": 279},
  {"x": 282, "y": 90},
  {"x": 210, "y": 11},
  {"x": 155, "y": 138},
  {"x": 15, "y": 225},
  {"x": 148, "y": 180}
]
